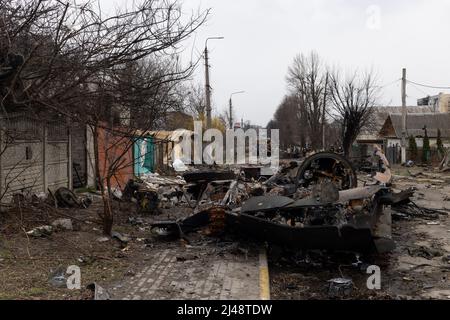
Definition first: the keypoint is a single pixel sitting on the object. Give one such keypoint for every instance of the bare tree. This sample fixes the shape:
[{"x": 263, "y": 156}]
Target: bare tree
[
  {"x": 108, "y": 72},
  {"x": 195, "y": 101},
  {"x": 306, "y": 79},
  {"x": 287, "y": 120},
  {"x": 352, "y": 99}
]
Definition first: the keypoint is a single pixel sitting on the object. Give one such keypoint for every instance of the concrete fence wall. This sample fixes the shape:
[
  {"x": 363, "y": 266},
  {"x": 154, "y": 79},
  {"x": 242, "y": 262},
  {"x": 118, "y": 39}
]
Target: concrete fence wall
[{"x": 34, "y": 156}]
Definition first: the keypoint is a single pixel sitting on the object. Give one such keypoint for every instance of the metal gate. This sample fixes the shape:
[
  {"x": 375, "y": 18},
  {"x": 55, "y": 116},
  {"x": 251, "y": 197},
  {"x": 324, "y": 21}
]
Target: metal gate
[{"x": 394, "y": 154}]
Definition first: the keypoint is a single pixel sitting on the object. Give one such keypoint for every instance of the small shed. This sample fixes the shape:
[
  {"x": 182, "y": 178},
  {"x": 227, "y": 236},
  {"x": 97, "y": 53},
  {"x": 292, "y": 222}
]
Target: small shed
[{"x": 155, "y": 150}]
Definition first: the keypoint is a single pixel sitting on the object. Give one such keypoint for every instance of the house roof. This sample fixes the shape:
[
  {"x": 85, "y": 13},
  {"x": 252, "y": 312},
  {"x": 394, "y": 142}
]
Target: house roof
[
  {"x": 167, "y": 135},
  {"x": 379, "y": 116},
  {"x": 416, "y": 122}
]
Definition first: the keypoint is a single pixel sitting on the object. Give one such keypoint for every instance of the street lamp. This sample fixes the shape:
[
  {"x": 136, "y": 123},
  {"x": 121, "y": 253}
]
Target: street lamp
[
  {"x": 207, "y": 86},
  {"x": 231, "y": 107}
]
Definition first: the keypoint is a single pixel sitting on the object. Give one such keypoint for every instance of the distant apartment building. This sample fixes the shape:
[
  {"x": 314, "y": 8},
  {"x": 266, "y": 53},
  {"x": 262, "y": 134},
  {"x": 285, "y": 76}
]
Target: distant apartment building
[{"x": 440, "y": 103}]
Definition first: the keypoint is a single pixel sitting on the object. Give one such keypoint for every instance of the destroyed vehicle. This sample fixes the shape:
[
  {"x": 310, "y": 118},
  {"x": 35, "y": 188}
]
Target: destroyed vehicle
[
  {"x": 334, "y": 215},
  {"x": 349, "y": 220},
  {"x": 327, "y": 167},
  {"x": 325, "y": 210}
]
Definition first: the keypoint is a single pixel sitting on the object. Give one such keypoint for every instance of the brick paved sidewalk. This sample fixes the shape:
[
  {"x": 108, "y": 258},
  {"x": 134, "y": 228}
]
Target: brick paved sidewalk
[{"x": 194, "y": 273}]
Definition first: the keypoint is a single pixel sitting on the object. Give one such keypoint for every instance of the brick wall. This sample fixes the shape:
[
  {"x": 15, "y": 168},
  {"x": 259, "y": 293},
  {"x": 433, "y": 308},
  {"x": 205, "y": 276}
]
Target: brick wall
[{"x": 110, "y": 147}]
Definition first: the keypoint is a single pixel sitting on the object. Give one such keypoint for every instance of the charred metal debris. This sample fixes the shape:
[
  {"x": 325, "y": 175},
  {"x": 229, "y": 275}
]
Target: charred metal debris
[{"x": 310, "y": 204}]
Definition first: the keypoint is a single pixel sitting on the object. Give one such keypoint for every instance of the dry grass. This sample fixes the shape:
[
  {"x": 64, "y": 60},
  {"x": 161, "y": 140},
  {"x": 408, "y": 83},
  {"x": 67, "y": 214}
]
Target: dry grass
[{"x": 26, "y": 262}]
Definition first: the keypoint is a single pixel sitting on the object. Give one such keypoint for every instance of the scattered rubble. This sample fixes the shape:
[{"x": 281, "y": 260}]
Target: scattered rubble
[
  {"x": 423, "y": 252},
  {"x": 152, "y": 192},
  {"x": 103, "y": 239},
  {"x": 58, "y": 278},
  {"x": 65, "y": 198},
  {"x": 307, "y": 205},
  {"x": 63, "y": 224},
  {"x": 42, "y": 231},
  {"x": 411, "y": 209},
  {"x": 340, "y": 288},
  {"x": 311, "y": 205},
  {"x": 99, "y": 293},
  {"x": 122, "y": 238},
  {"x": 187, "y": 258}
]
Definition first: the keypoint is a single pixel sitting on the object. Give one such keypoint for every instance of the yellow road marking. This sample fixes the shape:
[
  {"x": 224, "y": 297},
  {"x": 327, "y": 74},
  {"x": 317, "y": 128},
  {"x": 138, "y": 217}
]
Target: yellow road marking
[{"x": 264, "y": 285}]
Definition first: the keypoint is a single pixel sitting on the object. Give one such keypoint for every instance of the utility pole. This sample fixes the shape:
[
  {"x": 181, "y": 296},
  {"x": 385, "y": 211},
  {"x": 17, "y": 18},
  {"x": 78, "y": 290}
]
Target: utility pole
[
  {"x": 404, "y": 115},
  {"x": 207, "y": 91},
  {"x": 231, "y": 107},
  {"x": 207, "y": 85},
  {"x": 231, "y": 114},
  {"x": 323, "y": 112}
]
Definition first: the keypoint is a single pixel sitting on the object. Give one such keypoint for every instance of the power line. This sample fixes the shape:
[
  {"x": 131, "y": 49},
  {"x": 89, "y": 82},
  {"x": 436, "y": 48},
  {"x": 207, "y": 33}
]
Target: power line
[
  {"x": 389, "y": 84},
  {"x": 418, "y": 89},
  {"x": 427, "y": 86}
]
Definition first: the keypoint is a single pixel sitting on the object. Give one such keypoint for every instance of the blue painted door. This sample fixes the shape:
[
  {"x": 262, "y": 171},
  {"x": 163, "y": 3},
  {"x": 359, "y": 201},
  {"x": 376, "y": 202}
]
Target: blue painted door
[{"x": 143, "y": 156}]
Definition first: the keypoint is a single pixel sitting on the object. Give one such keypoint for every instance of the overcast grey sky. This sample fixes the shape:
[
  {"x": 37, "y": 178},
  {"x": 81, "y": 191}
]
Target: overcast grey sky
[{"x": 263, "y": 36}]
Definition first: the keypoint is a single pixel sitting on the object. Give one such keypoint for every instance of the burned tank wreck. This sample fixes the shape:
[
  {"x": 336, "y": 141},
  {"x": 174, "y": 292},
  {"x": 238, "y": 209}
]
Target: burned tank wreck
[{"x": 310, "y": 204}]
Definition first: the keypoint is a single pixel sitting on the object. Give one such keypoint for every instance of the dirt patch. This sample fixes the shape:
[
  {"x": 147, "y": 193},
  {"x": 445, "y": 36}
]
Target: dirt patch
[{"x": 27, "y": 262}]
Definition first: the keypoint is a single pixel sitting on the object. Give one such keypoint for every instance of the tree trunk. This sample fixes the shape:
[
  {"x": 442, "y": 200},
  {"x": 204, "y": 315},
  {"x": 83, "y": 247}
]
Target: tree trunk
[
  {"x": 106, "y": 215},
  {"x": 346, "y": 148}
]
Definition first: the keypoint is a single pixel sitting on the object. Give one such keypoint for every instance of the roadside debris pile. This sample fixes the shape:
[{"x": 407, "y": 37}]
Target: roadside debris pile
[
  {"x": 340, "y": 287},
  {"x": 311, "y": 204},
  {"x": 45, "y": 209},
  {"x": 412, "y": 210},
  {"x": 65, "y": 198},
  {"x": 152, "y": 192},
  {"x": 314, "y": 204},
  {"x": 62, "y": 224},
  {"x": 61, "y": 198}
]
